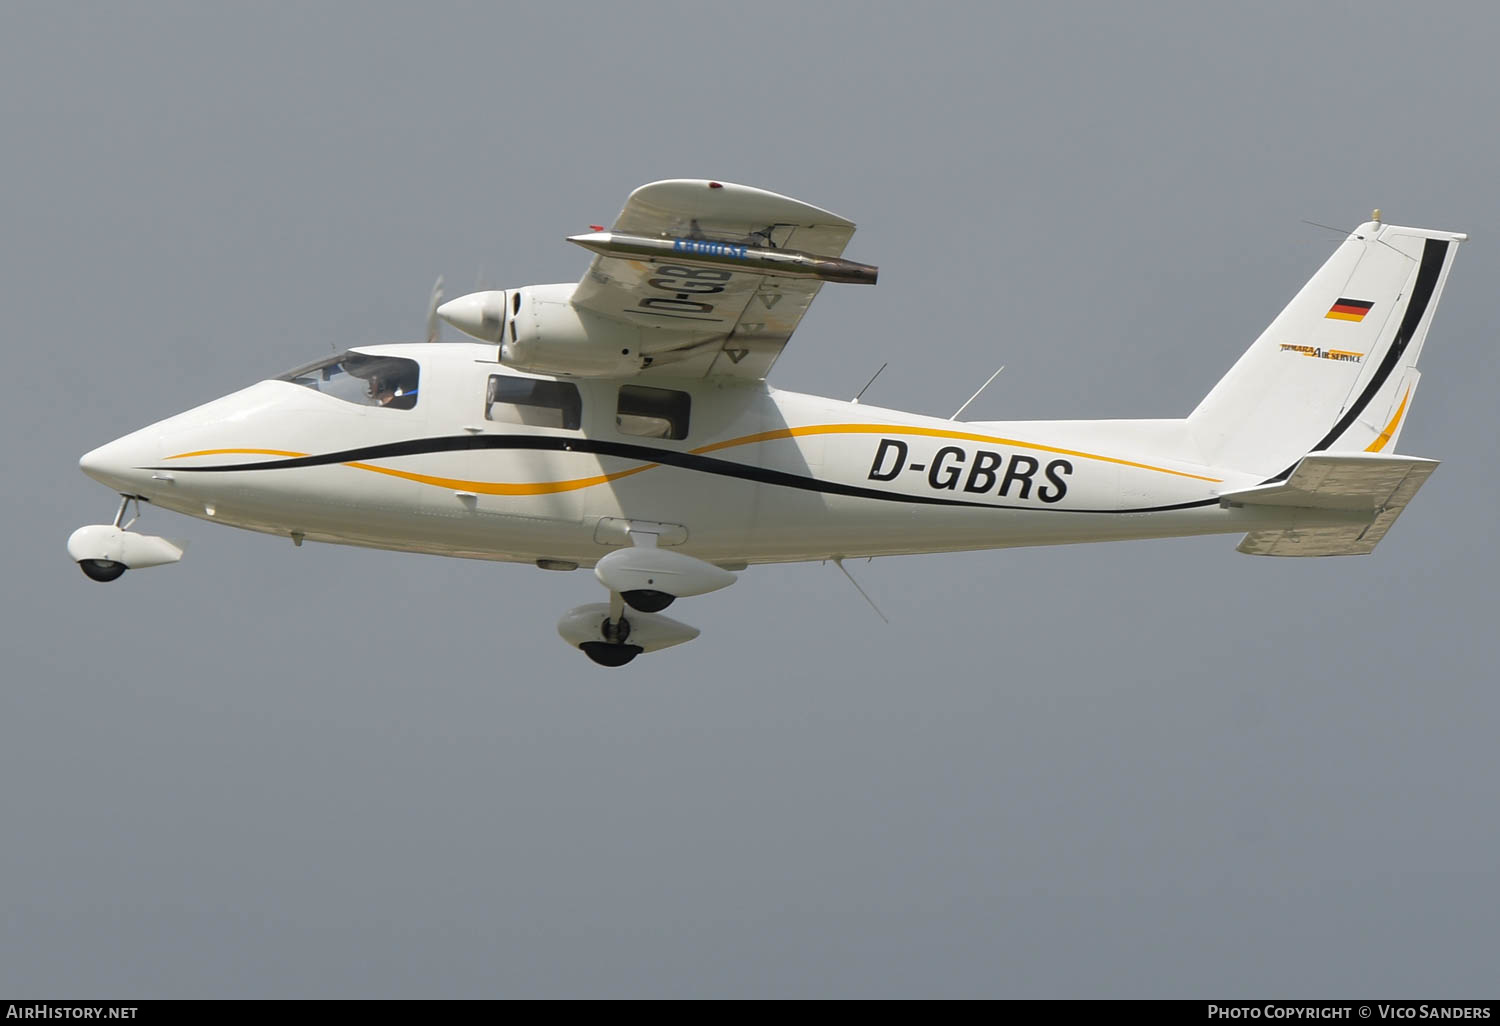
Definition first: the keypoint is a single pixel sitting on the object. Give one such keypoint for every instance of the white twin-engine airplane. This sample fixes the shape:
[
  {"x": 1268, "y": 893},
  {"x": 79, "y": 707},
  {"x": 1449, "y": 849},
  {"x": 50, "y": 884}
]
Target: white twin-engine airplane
[{"x": 625, "y": 424}]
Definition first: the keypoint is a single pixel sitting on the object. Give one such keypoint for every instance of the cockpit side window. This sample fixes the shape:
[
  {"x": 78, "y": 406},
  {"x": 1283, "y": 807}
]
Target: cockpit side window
[
  {"x": 554, "y": 404},
  {"x": 389, "y": 381}
]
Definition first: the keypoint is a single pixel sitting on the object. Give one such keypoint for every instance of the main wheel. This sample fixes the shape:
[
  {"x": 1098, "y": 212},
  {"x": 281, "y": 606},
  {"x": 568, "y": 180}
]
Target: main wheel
[
  {"x": 102, "y": 569},
  {"x": 609, "y": 654},
  {"x": 648, "y": 600}
]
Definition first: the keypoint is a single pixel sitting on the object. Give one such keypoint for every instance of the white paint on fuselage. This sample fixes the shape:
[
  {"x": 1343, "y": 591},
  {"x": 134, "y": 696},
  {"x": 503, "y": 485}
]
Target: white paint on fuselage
[{"x": 1111, "y": 467}]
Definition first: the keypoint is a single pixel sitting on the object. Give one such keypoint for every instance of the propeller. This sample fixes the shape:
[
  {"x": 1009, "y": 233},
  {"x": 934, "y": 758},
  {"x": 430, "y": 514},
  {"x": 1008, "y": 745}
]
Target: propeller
[{"x": 433, "y": 327}]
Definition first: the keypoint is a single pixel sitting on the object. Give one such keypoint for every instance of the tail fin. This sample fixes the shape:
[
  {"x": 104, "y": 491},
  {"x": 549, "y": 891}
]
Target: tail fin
[{"x": 1336, "y": 370}]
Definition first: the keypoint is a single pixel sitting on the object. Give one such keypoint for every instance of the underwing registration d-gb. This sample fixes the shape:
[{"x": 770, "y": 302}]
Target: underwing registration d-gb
[{"x": 624, "y": 424}]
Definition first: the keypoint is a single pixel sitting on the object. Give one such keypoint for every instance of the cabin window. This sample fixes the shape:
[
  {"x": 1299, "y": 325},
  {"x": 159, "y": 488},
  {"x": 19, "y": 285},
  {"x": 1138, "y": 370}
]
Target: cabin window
[
  {"x": 653, "y": 412},
  {"x": 553, "y": 404},
  {"x": 389, "y": 381}
]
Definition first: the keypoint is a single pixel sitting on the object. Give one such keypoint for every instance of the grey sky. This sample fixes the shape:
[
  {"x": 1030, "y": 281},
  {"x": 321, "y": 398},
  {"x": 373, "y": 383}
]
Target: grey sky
[{"x": 1150, "y": 769}]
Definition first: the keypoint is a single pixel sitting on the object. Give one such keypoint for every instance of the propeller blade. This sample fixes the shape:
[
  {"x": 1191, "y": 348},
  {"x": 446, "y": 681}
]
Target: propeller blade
[{"x": 433, "y": 327}]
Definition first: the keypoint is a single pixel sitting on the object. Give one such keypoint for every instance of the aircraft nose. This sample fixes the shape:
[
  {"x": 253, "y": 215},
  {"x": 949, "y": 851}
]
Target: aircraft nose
[{"x": 115, "y": 463}]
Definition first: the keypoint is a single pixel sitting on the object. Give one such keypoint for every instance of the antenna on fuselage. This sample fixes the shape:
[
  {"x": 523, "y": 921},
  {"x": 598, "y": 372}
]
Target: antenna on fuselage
[
  {"x": 862, "y": 391},
  {"x": 982, "y": 387},
  {"x": 838, "y": 561}
]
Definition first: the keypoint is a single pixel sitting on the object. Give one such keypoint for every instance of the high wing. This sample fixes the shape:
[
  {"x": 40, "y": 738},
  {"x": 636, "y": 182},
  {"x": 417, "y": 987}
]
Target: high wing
[{"x": 716, "y": 276}]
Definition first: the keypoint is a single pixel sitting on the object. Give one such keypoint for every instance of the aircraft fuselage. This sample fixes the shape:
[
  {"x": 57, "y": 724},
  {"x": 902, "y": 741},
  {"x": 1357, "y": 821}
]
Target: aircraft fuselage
[{"x": 755, "y": 475}]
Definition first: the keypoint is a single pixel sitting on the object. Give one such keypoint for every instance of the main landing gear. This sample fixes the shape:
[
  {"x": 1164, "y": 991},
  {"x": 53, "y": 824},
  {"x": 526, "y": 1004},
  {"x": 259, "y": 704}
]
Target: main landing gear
[
  {"x": 612, "y": 634},
  {"x": 647, "y": 600},
  {"x": 612, "y": 651},
  {"x": 647, "y": 579}
]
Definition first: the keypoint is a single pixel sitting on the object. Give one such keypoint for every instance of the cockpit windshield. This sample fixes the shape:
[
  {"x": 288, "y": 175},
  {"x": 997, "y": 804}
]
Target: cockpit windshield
[{"x": 389, "y": 381}]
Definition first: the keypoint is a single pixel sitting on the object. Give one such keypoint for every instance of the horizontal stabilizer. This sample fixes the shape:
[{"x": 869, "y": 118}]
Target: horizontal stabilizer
[{"x": 1372, "y": 489}]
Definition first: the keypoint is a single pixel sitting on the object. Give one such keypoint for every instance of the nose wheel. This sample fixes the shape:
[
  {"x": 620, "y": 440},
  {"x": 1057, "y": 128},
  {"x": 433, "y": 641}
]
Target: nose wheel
[
  {"x": 105, "y": 570},
  {"x": 101, "y": 569}
]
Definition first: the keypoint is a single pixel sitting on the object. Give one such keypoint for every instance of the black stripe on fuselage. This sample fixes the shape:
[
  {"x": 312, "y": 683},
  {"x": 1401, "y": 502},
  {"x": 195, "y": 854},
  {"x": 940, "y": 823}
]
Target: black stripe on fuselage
[
  {"x": 629, "y": 451},
  {"x": 1433, "y": 254}
]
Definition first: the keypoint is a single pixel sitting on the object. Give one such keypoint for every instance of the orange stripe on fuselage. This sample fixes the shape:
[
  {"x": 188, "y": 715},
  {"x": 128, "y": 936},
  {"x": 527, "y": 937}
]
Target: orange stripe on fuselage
[
  {"x": 238, "y": 452},
  {"x": 502, "y": 487}
]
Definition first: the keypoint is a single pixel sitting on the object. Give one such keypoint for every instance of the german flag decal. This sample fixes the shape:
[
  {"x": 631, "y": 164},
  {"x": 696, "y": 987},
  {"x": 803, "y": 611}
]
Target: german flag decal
[{"x": 1348, "y": 310}]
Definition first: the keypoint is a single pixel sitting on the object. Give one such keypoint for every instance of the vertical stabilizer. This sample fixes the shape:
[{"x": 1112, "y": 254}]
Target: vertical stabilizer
[{"x": 1336, "y": 370}]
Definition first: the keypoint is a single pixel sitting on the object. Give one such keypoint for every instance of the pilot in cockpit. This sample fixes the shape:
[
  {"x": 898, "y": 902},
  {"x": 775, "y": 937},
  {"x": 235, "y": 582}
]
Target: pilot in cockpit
[
  {"x": 382, "y": 390},
  {"x": 390, "y": 383}
]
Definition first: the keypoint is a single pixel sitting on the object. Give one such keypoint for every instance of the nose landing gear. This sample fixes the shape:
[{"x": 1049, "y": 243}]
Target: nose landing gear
[
  {"x": 105, "y": 551},
  {"x": 101, "y": 569}
]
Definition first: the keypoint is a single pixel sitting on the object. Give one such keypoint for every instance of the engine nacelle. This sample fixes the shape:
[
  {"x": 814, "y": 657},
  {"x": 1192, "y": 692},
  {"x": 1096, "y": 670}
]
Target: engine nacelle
[
  {"x": 540, "y": 331},
  {"x": 552, "y": 336}
]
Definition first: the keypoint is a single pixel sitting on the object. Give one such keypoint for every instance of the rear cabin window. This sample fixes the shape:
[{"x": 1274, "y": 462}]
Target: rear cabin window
[
  {"x": 553, "y": 404},
  {"x": 653, "y": 412}
]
